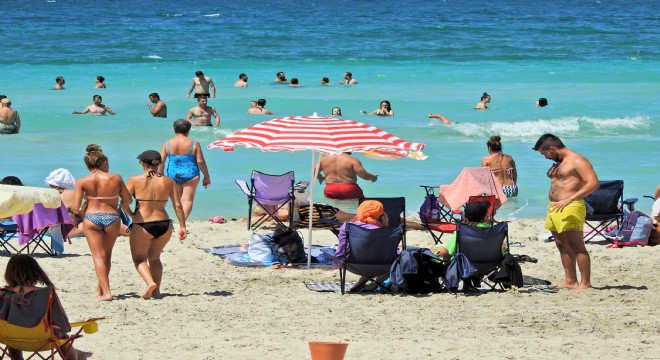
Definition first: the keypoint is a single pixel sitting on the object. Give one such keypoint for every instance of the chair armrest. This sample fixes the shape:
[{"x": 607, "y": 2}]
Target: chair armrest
[
  {"x": 243, "y": 185},
  {"x": 630, "y": 203},
  {"x": 301, "y": 186}
]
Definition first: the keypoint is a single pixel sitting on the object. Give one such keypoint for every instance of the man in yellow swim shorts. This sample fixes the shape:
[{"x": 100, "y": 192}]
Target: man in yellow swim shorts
[{"x": 572, "y": 178}]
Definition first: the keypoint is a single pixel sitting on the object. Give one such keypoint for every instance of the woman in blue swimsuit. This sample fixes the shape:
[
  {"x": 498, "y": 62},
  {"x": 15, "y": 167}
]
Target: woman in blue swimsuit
[
  {"x": 185, "y": 163},
  {"x": 152, "y": 227},
  {"x": 103, "y": 192}
]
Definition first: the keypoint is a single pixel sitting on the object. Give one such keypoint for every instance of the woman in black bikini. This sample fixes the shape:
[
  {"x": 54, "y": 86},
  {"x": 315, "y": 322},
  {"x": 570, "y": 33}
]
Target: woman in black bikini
[{"x": 152, "y": 227}]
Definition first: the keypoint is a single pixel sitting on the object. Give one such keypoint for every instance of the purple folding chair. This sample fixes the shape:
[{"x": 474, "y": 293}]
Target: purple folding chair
[{"x": 271, "y": 193}]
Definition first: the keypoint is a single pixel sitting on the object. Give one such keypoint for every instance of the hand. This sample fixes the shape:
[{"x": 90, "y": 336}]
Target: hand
[
  {"x": 559, "y": 205},
  {"x": 182, "y": 233},
  {"x": 363, "y": 111},
  {"x": 206, "y": 182},
  {"x": 375, "y": 178},
  {"x": 188, "y": 95}
]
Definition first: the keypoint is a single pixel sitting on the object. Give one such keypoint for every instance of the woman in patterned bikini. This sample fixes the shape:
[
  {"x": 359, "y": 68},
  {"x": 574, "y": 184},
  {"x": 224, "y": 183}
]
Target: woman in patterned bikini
[
  {"x": 502, "y": 166},
  {"x": 103, "y": 192}
]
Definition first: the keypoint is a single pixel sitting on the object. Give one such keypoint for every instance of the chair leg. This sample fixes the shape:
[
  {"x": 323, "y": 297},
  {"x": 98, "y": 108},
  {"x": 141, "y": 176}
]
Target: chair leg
[{"x": 342, "y": 279}]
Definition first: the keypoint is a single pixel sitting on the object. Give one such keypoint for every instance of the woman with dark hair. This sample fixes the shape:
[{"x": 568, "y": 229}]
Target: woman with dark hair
[
  {"x": 11, "y": 180},
  {"x": 101, "y": 222},
  {"x": 385, "y": 109},
  {"x": 186, "y": 160},
  {"x": 24, "y": 304},
  {"x": 152, "y": 227},
  {"x": 485, "y": 99},
  {"x": 100, "y": 82},
  {"x": 502, "y": 166}
]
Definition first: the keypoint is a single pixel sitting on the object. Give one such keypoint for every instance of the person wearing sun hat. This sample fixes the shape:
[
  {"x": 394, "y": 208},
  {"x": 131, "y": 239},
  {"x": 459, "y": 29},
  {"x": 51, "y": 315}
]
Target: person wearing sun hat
[
  {"x": 152, "y": 227},
  {"x": 475, "y": 214}
]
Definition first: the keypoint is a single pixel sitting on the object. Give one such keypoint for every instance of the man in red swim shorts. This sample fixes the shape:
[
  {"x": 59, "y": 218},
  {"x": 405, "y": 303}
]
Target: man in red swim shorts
[{"x": 340, "y": 173}]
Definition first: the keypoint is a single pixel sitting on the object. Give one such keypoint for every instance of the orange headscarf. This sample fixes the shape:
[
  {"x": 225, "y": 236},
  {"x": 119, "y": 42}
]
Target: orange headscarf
[{"x": 369, "y": 212}]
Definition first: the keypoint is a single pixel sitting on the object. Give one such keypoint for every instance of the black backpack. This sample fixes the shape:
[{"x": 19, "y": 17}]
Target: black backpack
[
  {"x": 425, "y": 280},
  {"x": 289, "y": 245}
]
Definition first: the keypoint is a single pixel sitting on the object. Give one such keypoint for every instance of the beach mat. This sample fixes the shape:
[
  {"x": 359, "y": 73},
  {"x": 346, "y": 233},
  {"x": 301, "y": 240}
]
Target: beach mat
[{"x": 237, "y": 256}]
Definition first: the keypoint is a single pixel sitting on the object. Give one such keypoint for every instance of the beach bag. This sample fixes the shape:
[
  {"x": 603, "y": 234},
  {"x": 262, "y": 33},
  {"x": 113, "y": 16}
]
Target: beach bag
[
  {"x": 289, "y": 245},
  {"x": 430, "y": 209},
  {"x": 260, "y": 248},
  {"x": 459, "y": 269},
  {"x": 634, "y": 230},
  {"x": 417, "y": 272}
]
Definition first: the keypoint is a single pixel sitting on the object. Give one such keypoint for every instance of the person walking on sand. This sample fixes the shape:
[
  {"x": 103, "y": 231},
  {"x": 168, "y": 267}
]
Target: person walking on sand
[
  {"x": 10, "y": 121},
  {"x": 159, "y": 109},
  {"x": 97, "y": 108},
  {"x": 152, "y": 228},
  {"x": 203, "y": 114},
  {"x": 502, "y": 166},
  {"x": 201, "y": 84},
  {"x": 104, "y": 192},
  {"x": 485, "y": 99},
  {"x": 572, "y": 178},
  {"x": 186, "y": 160}
]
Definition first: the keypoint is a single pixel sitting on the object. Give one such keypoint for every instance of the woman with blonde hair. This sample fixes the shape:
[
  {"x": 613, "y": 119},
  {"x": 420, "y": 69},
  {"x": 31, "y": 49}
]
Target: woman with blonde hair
[
  {"x": 152, "y": 227},
  {"x": 101, "y": 219}
]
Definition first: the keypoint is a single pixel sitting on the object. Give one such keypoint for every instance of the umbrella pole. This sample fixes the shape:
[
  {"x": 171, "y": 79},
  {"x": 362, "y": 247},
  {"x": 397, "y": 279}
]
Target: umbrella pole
[{"x": 311, "y": 211}]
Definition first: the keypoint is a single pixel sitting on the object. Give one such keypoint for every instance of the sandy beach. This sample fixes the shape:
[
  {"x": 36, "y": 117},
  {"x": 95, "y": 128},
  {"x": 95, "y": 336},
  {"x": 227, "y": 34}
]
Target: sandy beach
[{"x": 214, "y": 310}]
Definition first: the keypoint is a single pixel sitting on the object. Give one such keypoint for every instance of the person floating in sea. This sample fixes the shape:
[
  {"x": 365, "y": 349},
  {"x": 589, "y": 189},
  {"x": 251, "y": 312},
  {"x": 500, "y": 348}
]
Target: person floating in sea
[
  {"x": 59, "y": 83},
  {"x": 384, "y": 110},
  {"x": 295, "y": 82},
  {"x": 201, "y": 84},
  {"x": 542, "y": 102},
  {"x": 572, "y": 178},
  {"x": 159, "y": 109},
  {"x": 441, "y": 117},
  {"x": 97, "y": 108},
  {"x": 325, "y": 81},
  {"x": 280, "y": 78},
  {"x": 242, "y": 81},
  {"x": 186, "y": 160},
  {"x": 502, "y": 166},
  {"x": 100, "y": 82},
  {"x": 348, "y": 79},
  {"x": 203, "y": 114},
  {"x": 485, "y": 99},
  {"x": 259, "y": 108},
  {"x": 10, "y": 121},
  {"x": 336, "y": 111}
]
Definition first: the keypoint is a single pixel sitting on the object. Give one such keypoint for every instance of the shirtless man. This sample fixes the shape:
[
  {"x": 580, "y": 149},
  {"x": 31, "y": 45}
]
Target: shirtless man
[
  {"x": 242, "y": 81},
  {"x": 572, "y": 178},
  {"x": 280, "y": 78},
  {"x": 203, "y": 114},
  {"x": 340, "y": 173},
  {"x": 259, "y": 109},
  {"x": 201, "y": 85},
  {"x": 348, "y": 79},
  {"x": 10, "y": 121},
  {"x": 160, "y": 108},
  {"x": 59, "y": 82},
  {"x": 96, "y": 108}
]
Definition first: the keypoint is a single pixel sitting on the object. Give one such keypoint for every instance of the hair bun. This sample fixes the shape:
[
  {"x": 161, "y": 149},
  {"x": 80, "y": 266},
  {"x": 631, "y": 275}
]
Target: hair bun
[{"x": 93, "y": 148}]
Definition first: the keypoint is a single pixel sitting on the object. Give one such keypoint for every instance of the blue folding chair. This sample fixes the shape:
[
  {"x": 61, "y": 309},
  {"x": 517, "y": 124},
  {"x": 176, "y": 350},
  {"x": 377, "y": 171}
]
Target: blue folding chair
[{"x": 484, "y": 247}]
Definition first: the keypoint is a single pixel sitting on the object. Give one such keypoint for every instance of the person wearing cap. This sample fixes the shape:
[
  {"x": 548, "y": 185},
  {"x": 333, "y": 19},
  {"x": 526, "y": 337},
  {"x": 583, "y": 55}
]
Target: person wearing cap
[
  {"x": 475, "y": 214},
  {"x": 152, "y": 227},
  {"x": 370, "y": 215},
  {"x": 10, "y": 121}
]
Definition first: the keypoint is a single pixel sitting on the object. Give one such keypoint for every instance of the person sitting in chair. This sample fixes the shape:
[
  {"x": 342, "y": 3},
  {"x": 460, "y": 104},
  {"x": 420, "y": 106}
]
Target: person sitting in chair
[
  {"x": 24, "y": 304},
  {"x": 475, "y": 214},
  {"x": 370, "y": 215}
]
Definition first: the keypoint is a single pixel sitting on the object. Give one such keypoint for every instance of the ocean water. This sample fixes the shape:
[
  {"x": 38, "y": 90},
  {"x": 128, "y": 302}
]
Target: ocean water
[{"x": 596, "y": 61}]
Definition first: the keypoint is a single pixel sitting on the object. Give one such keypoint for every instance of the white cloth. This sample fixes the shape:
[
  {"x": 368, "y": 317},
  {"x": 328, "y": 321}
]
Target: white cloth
[
  {"x": 655, "y": 211},
  {"x": 61, "y": 178}
]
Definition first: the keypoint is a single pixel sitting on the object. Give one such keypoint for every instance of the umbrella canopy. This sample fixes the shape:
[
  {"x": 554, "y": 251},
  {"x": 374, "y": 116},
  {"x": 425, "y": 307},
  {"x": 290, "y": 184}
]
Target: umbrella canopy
[
  {"x": 16, "y": 200},
  {"x": 326, "y": 135}
]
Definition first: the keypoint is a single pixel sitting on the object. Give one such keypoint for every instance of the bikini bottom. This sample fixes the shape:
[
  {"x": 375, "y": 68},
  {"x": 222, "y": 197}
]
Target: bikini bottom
[
  {"x": 102, "y": 220},
  {"x": 156, "y": 228}
]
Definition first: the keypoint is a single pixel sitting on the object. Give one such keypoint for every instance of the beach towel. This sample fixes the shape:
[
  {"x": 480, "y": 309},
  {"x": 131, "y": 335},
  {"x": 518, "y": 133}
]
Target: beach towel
[
  {"x": 237, "y": 255},
  {"x": 470, "y": 182},
  {"x": 40, "y": 217}
]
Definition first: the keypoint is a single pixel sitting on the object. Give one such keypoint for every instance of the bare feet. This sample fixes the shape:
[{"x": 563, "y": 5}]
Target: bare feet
[
  {"x": 150, "y": 289},
  {"x": 156, "y": 294},
  {"x": 584, "y": 287},
  {"x": 106, "y": 297},
  {"x": 566, "y": 285}
]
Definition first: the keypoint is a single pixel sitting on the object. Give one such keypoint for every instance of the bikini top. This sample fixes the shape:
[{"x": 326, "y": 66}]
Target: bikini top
[{"x": 87, "y": 197}]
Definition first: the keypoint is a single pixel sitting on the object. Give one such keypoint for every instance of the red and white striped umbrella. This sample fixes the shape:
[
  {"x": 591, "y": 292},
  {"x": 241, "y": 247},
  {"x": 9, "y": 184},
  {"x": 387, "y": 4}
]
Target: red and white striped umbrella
[{"x": 327, "y": 135}]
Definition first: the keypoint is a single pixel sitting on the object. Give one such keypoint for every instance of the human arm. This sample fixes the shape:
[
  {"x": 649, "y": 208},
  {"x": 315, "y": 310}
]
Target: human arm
[
  {"x": 190, "y": 116},
  {"x": 112, "y": 112},
  {"x": 163, "y": 155},
  {"x": 178, "y": 209},
  {"x": 18, "y": 123},
  {"x": 514, "y": 172},
  {"x": 156, "y": 108},
  {"x": 441, "y": 117},
  {"x": 192, "y": 87},
  {"x": 77, "y": 197},
  {"x": 484, "y": 161},
  {"x": 585, "y": 172},
  {"x": 212, "y": 85},
  {"x": 217, "y": 117},
  {"x": 125, "y": 198},
  {"x": 319, "y": 176},
  {"x": 81, "y": 112},
  {"x": 362, "y": 172},
  {"x": 657, "y": 193},
  {"x": 201, "y": 163}
]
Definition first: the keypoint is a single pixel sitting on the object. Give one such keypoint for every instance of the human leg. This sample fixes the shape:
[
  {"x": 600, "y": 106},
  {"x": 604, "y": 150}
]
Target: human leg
[
  {"x": 575, "y": 241},
  {"x": 155, "y": 265},
  {"x": 140, "y": 241},
  {"x": 188, "y": 195},
  {"x": 101, "y": 242},
  {"x": 15, "y": 354},
  {"x": 568, "y": 260}
]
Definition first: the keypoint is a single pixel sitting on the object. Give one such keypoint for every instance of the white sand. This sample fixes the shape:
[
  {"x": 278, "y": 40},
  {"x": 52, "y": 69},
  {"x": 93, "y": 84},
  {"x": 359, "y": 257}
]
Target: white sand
[{"x": 213, "y": 310}]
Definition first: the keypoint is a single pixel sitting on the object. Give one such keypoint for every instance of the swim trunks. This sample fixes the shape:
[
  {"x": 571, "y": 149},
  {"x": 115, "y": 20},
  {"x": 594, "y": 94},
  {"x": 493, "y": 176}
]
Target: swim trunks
[
  {"x": 510, "y": 190},
  {"x": 182, "y": 168},
  {"x": 8, "y": 129},
  {"x": 571, "y": 218},
  {"x": 343, "y": 191},
  {"x": 206, "y": 95}
]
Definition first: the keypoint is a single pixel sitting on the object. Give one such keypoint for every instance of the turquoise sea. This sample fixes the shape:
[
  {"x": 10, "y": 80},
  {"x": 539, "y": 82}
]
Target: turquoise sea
[{"x": 597, "y": 62}]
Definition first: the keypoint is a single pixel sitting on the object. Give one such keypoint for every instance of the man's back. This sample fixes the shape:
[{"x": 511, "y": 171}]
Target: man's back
[{"x": 339, "y": 169}]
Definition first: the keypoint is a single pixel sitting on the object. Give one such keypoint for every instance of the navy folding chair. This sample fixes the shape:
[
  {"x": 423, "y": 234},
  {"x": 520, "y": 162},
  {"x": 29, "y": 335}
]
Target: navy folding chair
[
  {"x": 395, "y": 209},
  {"x": 484, "y": 248},
  {"x": 604, "y": 208}
]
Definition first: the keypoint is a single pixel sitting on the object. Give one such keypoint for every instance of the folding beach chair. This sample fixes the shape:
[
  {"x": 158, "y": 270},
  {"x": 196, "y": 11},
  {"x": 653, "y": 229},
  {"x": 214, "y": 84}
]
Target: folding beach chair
[
  {"x": 8, "y": 231},
  {"x": 271, "y": 193},
  {"x": 372, "y": 252},
  {"x": 604, "y": 208},
  {"x": 323, "y": 217},
  {"x": 395, "y": 208},
  {"x": 41, "y": 340},
  {"x": 484, "y": 248}
]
